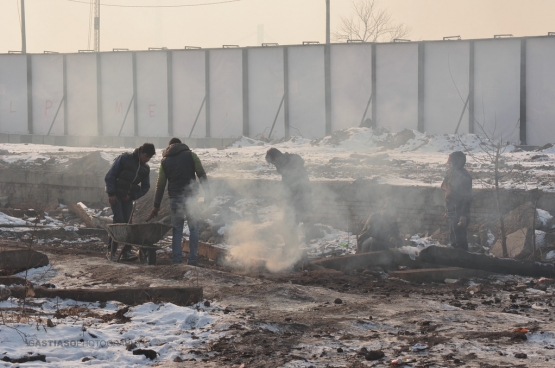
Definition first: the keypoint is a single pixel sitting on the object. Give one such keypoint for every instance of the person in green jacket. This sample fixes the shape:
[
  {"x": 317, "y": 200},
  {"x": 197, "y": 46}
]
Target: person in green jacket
[{"x": 179, "y": 169}]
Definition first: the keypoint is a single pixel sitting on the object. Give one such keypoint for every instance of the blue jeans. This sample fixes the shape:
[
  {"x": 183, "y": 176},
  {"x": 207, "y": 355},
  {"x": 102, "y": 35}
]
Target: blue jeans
[
  {"x": 180, "y": 208},
  {"x": 122, "y": 213}
]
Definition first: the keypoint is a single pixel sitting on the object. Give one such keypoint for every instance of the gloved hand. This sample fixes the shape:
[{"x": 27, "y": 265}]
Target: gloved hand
[
  {"x": 113, "y": 200},
  {"x": 462, "y": 221},
  {"x": 153, "y": 214}
]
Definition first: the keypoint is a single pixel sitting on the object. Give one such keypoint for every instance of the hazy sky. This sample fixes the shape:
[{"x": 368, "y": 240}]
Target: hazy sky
[{"x": 62, "y": 25}]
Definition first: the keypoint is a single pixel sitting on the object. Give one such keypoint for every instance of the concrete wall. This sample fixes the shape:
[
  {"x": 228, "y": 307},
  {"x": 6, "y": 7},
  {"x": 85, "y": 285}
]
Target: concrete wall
[
  {"x": 230, "y": 92},
  {"x": 343, "y": 205}
]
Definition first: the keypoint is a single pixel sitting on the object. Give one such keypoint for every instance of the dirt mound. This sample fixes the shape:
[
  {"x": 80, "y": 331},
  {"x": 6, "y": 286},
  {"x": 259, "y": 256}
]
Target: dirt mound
[{"x": 91, "y": 163}]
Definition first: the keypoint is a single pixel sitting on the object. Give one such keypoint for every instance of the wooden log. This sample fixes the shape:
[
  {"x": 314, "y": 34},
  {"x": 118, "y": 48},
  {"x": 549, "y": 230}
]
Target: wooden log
[
  {"x": 82, "y": 214},
  {"x": 206, "y": 250},
  {"x": 437, "y": 274},
  {"x": 17, "y": 260},
  {"x": 352, "y": 261},
  {"x": 132, "y": 296},
  {"x": 461, "y": 258},
  {"x": 12, "y": 280}
]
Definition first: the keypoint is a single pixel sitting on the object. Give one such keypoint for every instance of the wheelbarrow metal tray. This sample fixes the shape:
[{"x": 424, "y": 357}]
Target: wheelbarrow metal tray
[{"x": 140, "y": 234}]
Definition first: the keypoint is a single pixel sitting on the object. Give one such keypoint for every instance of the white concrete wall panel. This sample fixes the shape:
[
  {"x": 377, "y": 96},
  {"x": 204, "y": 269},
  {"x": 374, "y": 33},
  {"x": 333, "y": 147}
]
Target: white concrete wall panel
[
  {"x": 446, "y": 76},
  {"x": 188, "y": 93},
  {"x": 152, "y": 93},
  {"x": 117, "y": 91},
  {"x": 266, "y": 91},
  {"x": 13, "y": 94},
  {"x": 540, "y": 91},
  {"x": 351, "y": 84},
  {"x": 81, "y": 94},
  {"x": 397, "y": 86},
  {"x": 226, "y": 93},
  {"x": 307, "y": 111},
  {"x": 497, "y": 89},
  {"x": 48, "y": 90}
]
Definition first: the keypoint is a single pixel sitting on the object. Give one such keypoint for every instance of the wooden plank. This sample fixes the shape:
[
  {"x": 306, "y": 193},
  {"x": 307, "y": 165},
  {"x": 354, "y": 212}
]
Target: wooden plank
[
  {"x": 437, "y": 274},
  {"x": 82, "y": 214},
  {"x": 132, "y": 296}
]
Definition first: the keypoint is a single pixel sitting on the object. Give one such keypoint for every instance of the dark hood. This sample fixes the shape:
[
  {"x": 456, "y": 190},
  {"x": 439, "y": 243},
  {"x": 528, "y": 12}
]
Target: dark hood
[
  {"x": 174, "y": 149},
  {"x": 457, "y": 159}
]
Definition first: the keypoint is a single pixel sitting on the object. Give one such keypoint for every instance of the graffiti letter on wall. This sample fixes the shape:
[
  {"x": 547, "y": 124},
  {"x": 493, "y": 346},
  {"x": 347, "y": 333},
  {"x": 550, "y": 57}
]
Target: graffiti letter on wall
[
  {"x": 118, "y": 108},
  {"x": 11, "y": 108},
  {"x": 151, "y": 110},
  {"x": 47, "y": 105}
]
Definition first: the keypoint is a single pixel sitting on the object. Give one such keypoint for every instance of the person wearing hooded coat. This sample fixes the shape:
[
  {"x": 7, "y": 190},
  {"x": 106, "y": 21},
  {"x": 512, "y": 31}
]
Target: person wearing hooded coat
[
  {"x": 297, "y": 194},
  {"x": 179, "y": 169},
  {"x": 458, "y": 198},
  {"x": 127, "y": 180}
]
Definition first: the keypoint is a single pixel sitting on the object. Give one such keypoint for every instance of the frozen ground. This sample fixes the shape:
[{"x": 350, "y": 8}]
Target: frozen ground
[
  {"x": 301, "y": 319},
  {"x": 405, "y": 158}
]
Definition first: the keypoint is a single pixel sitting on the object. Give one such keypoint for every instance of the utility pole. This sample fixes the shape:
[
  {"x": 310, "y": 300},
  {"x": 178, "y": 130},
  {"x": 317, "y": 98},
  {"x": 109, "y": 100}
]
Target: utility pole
[
  {"x": 96, "y": 25},
  {"x": 23, "y": 36},
  {"x": 328, "y": 22}
]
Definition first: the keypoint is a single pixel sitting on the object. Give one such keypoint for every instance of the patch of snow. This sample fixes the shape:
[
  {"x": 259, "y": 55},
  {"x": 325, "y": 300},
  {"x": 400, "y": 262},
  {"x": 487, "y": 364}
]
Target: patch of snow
[
  {"x": 8, "y": 220},
  {"x": 544, "y": 216}
]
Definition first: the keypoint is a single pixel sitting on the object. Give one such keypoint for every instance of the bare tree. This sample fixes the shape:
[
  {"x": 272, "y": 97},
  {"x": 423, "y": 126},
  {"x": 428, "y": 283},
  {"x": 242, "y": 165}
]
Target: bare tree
[{"x": 369, "y": 23}]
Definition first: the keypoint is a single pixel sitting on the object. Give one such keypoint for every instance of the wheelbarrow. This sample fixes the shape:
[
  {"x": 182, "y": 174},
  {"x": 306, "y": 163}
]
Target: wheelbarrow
[{"x": 142, "y": 236}]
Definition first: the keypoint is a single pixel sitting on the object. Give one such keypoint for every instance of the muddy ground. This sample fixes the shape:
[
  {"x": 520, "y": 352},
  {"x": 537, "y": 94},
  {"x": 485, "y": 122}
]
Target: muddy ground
[{"x": 325, "y": 318}]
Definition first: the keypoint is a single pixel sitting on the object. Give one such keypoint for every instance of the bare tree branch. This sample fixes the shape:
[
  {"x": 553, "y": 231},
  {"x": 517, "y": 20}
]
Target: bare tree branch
[{"x": 369, "y": 23}]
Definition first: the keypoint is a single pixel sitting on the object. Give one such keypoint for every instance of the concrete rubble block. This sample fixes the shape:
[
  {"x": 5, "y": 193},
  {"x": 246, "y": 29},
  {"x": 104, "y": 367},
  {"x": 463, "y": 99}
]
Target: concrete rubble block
[{"x": 17, "y": 260}]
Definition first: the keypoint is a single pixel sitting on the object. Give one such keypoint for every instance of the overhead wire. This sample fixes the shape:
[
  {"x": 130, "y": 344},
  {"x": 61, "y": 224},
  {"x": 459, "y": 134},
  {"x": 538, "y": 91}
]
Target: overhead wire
[{"x": 160, "y": 6}]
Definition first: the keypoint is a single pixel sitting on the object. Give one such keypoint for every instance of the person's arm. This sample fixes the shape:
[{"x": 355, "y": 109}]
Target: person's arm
[
  {"x": 201, "y": 174},
  {"x": 112, "y": 175},
  {"x": 160, "y": 187},
  {"x": 145, "y": 187}
]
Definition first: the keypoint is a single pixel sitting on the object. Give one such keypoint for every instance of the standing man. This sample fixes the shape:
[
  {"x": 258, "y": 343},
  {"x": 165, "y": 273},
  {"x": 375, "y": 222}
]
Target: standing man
[
  {"x": 179, "y": 168},
  {"x": 458, "y": 198},
  {"x": 127, "y": 180},
  {"x": 296, "y": 189}
]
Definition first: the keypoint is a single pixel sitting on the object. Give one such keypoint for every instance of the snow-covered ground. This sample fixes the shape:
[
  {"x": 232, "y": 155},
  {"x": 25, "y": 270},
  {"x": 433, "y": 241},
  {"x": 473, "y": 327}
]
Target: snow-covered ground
[{"x": 405, "y": 158}]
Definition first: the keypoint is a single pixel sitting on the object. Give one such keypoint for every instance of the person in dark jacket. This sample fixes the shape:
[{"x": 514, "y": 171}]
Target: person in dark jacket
[
  {"x": 380, "y": 232},
  {"x": 458, "y": 198},
  {"x": 297, "y": 193},
  {"x": 296, "y": 184},
  {"x": 126, "y": 181},
  {"x": 179, "y": 169}
]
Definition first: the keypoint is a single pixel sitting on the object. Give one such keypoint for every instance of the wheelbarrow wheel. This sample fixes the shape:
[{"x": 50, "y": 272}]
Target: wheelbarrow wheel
[{"x": 148, "y": 256}]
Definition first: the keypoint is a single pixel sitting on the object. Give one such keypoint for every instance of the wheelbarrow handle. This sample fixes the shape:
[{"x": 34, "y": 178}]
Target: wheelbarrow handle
[{"x": 132, "y": 213}]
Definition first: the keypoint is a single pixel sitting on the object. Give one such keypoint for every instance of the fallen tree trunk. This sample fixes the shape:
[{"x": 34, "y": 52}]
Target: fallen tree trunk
[
  {"x": 387, "y": 259},
  {"x": 131, "y": 296},
  {"x": 352, "y": 261},
  {"x": 461, "y": 258},
  {"x": 12, "y": 280}
]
